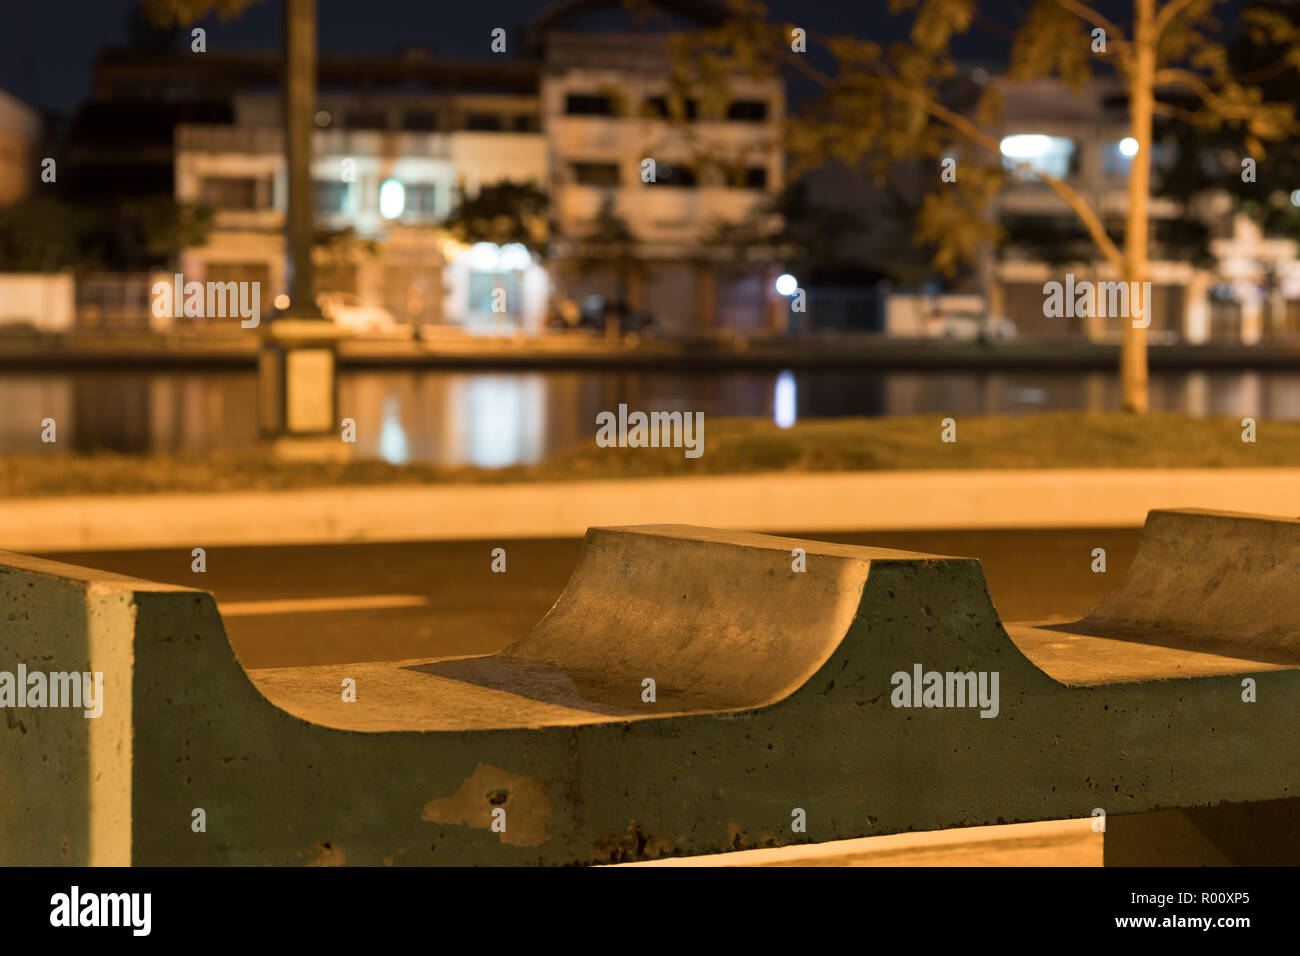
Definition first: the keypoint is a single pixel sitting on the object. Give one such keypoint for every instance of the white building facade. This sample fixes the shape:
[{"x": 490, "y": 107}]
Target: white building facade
[
  {"x": 390, "y": 167},
  {"x": 383, "y": 186}
]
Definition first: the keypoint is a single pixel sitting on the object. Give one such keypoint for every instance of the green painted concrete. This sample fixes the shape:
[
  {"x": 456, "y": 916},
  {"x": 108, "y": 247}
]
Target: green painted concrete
[{"x": 774, "y": 693}]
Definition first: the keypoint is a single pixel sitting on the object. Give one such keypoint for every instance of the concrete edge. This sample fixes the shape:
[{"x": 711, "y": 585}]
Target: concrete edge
[
  {"x": 773, "y": 502},
  {"x": 1044, "y": 843}
]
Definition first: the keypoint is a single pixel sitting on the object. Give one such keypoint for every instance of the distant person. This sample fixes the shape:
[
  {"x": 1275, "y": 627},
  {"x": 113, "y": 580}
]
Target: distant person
[
  {"x": 937, "y": 321},
  {"x": 570, "y": 312}
]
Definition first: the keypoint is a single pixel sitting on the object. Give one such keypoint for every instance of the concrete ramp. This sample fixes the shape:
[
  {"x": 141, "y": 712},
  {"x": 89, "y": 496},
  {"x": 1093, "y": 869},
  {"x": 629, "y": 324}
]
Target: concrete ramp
[
  {"x": 717, "y": 621},
  {"x": 1208, "y": 593},
  {"x": 844, "y": 692},
  {"x": 1213, "y": 579}
]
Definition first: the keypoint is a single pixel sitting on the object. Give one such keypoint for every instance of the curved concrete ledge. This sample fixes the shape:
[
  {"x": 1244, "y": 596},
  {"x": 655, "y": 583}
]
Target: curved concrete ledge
[
  {"x": 777, "y": 697},
  {"x": 717, "y": 620},
  {"x": 1210, "y": 579}
]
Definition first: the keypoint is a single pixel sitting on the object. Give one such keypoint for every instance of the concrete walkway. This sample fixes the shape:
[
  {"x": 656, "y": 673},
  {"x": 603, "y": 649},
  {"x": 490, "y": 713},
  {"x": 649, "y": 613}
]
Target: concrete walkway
[{"x": 777, "y": 502}]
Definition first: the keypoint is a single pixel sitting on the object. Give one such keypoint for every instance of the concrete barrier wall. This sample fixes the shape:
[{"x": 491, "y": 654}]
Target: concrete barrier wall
[
  {"x": 285, "y": 771},
  {"x": 65, "y": 779}
]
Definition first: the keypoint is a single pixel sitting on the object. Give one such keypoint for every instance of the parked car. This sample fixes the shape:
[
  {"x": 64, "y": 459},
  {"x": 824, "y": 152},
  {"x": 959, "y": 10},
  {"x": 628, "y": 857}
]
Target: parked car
[
  {"x": 596, "y": 312},
  {"x": 348, "y": 311},
  {"x": 970, "y": 327}
]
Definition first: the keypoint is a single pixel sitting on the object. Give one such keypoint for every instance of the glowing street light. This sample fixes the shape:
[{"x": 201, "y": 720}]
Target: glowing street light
[
  {"x": 1025, "y": 146},
  {"x": 392, "y": 199},
  {"x": 786, "y": 284}
]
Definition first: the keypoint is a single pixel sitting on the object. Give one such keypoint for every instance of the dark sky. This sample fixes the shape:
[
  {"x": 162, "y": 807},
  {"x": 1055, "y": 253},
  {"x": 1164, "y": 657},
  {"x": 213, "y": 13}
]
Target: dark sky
[{"x": 47, "y": 47}]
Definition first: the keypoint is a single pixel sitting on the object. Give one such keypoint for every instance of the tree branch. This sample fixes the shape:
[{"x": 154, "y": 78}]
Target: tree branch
[
  {"x": 1167, "y": 14},
  {"x": 1089, "y": 15},
  {"x": 1173, "y": 74},
  {"x": 1175, "y": 112},
  {"x": 1091, "y": 221}
]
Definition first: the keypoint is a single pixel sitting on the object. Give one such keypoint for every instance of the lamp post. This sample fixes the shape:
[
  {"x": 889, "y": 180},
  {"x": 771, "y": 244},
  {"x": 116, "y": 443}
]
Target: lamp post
[{"x": 297, "y": 380}]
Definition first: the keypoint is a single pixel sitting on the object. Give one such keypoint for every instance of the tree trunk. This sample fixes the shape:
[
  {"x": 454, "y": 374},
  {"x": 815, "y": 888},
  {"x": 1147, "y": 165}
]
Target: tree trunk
[{"x": 1133, "y": 350}]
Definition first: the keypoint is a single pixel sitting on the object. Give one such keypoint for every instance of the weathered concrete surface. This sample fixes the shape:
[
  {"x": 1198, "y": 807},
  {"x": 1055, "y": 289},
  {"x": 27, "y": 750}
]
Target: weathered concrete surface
[{"x": 773, "y": 695}]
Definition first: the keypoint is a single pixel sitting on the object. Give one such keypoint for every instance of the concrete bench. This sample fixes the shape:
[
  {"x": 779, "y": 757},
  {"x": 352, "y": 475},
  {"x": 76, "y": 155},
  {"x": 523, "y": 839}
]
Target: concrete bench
[{"x": 779, "y": 696}]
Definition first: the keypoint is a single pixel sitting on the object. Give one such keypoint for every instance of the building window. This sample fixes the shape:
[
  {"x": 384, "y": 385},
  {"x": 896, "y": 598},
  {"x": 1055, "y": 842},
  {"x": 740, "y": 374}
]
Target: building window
[
  {"x": 366, "y": 119},
  {"x": 421, "y": 200},
  {"x": 657, "y": 107},
  {"x": 1048, "y": 155},
  {"x": 755, "y": 177},
  {"x": 673, "y": 175},
  {"x": 595, "y": 174},
  {"x": 747, "y": 111},
  {"x": 331, "y": 196},
  {"x": 526, "y": 123},
  {"x": 580, "y": 104},
  {"x": 230, "y": 192},
  {"x": 489, "y": 122},
  {"x": 420, "y": 121}
]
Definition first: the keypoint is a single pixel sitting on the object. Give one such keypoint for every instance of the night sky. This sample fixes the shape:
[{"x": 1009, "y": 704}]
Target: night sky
[{"x": 48, "y": 47}]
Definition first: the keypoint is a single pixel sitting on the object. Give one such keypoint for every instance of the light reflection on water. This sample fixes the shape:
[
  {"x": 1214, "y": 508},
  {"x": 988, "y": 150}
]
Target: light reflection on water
[{"x": 500, "y": 418}]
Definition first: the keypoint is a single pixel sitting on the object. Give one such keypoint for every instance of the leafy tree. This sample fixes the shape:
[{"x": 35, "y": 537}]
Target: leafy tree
[
  {"x": 1209, "y": 157},
  {"x": 891, "y": 103},
  {"x": 175, "y": 13},
  {"x": 504, "y": 212},
  {"x": 787, "y": 227},
  {"x": 46, "y": 234}
]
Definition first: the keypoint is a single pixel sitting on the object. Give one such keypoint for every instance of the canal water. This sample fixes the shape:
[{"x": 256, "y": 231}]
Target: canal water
[{"x": 492, "y": 419}]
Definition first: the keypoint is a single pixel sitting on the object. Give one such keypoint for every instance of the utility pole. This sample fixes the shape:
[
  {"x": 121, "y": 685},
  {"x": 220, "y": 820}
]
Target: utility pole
[{"x": 297, "y": 367}]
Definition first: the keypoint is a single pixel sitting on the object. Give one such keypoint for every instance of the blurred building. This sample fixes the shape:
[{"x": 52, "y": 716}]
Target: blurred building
[
  {"x": 582, "y": 115},
  {"x": 1252, "y": 289},
  {"x": 388, "y": 169},
  {"x": 618, "y": 160},
  {"x": 20, "y": 135}
]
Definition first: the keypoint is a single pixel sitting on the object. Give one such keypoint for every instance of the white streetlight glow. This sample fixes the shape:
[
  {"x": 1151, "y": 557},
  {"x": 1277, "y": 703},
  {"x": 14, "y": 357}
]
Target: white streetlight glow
[
  {"x": 786, "y": 284},
  {"x": 1295, "y": 198},
  {"x": 392, "y": 199},
  {"x": 514, "y": 256},
  {"x": 1128, "y": 147},
  {"x": 784, "y": 401},
  {"x": 1025, "y": 145},
  {"x": 484, "y": 257}
]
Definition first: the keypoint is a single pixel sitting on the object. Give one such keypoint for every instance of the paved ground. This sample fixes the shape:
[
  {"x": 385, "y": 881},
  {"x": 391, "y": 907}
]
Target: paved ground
[{"x": 287, "y": 606}]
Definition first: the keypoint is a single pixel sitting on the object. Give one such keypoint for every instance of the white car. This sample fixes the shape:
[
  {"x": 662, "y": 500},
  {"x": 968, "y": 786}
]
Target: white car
[
  {"x": 350, "y": 314},
  {"x": 970, "y": 327}
]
